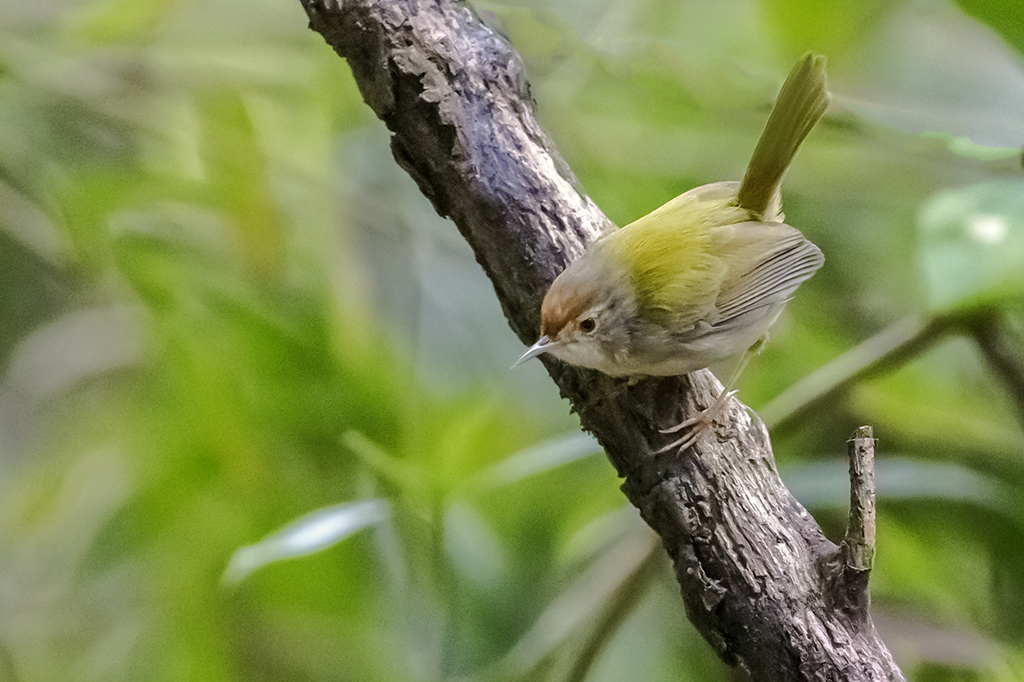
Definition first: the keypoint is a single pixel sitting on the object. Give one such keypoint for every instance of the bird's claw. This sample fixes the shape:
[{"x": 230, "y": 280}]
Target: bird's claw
[
  {"x": 683, "y": 443},
  {"x": 697, "y": 425},
  {"x": 685, "y": 424}
]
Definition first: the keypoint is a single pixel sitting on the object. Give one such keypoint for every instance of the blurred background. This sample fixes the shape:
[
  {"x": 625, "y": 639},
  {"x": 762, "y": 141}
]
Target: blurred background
[{"x": 256, "y": 418}]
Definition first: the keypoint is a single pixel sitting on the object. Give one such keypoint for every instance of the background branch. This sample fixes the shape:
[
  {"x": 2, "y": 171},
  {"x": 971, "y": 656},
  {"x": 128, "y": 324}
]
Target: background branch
[
  {"x": 891, "y": 347},
  {"x": 1001, "y": 345},
  {"x": 990, "y": 328},
  {"x": 759, "y": 579}
]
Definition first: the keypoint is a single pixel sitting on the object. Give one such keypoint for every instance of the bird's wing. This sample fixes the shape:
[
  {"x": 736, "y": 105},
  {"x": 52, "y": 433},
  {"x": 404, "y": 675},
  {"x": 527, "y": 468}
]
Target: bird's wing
[
  {"x": 766, "y": 263},
  {"x": 668, "y": 255}
]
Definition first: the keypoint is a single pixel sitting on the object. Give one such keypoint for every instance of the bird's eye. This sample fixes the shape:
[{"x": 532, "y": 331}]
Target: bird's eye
[{"x": 588, "y": 325}]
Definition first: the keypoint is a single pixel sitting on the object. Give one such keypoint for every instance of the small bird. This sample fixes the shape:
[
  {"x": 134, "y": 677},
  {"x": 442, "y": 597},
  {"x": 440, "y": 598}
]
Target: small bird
[{"x": 699, "y": 280}]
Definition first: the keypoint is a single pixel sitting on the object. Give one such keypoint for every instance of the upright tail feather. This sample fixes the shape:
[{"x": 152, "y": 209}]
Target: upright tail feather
[{"x": 801, "y": 103}]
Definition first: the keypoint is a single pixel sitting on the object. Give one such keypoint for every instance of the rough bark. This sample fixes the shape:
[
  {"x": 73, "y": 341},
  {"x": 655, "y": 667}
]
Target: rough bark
[{"x": 758, "y": 578}]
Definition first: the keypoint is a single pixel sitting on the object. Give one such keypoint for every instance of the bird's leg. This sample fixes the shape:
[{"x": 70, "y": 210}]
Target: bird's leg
[{"x": 696, "y": 426}]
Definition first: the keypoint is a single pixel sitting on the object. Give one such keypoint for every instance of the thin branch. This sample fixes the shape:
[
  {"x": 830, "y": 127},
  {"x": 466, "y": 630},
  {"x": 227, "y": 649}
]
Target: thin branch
[
  {"x": 1001, "y": 345},
  {"x": 617, "y": 577},
  {"x": 616, "y": 609},
  {"x": 898, "y": 344},
  {"x": 890, "y": 348},
  {"x": 859, "y": 543},
  {"x": 856, "y": 554}
]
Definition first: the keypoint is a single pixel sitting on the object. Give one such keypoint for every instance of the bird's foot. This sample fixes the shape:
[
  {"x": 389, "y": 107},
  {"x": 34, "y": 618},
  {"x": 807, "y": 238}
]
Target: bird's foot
[{"x": 695, "y": 426}]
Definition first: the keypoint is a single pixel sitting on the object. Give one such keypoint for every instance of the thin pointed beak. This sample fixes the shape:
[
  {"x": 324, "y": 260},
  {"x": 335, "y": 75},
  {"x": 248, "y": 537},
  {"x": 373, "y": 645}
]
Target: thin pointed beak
[{"x": 543, "y": 345}]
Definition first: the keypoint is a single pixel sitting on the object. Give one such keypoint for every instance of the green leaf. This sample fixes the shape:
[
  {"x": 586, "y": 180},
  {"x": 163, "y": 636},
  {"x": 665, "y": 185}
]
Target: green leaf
[
  {"x": 961, "y": 145},
  {"x": 1005, "y": 16},
  {"x": 540, "y": 458},
  {"x": 474, "y": 547},
  {"x": 827, "y": 27},
  {"x": 972, "y": 245},
  {"x": 312, "y": 533},
  {"x": 115, "y": 21}
]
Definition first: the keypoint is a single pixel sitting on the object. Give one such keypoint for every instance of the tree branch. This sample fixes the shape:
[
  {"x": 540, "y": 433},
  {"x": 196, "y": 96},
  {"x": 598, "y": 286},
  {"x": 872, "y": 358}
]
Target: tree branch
[
  {"x": 859, "y": 543},
  {"x": 893, "y": 347},
  {"x": 989, "y": 327},
  {"x": 1001, "y": 345},
  {"x": 858, "y": 548},
  {"x": 759, "y": 579}
]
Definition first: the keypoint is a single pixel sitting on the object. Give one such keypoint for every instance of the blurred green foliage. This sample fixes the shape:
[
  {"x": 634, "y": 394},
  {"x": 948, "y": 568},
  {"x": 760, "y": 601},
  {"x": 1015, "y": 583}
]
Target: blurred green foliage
[{"x": 223, "y": 308}]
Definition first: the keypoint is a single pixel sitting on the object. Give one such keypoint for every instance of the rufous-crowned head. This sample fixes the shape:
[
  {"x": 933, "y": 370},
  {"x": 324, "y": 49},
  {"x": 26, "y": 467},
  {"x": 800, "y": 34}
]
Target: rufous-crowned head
[{"x": 585, "y": 314}]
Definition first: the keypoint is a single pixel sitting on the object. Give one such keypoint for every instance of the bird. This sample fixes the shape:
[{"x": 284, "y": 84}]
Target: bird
[{"x": 699, "y": 280}]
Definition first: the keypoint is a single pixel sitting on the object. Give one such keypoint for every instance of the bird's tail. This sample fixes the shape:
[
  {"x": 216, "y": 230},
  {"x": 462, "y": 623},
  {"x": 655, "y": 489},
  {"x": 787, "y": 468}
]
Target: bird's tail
[{"x": 801, "y": 103}]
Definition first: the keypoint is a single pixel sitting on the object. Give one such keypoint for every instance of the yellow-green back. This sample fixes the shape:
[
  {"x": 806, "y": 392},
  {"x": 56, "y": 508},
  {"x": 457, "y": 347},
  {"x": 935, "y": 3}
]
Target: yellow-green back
[{"x": 669, "y": 253}]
